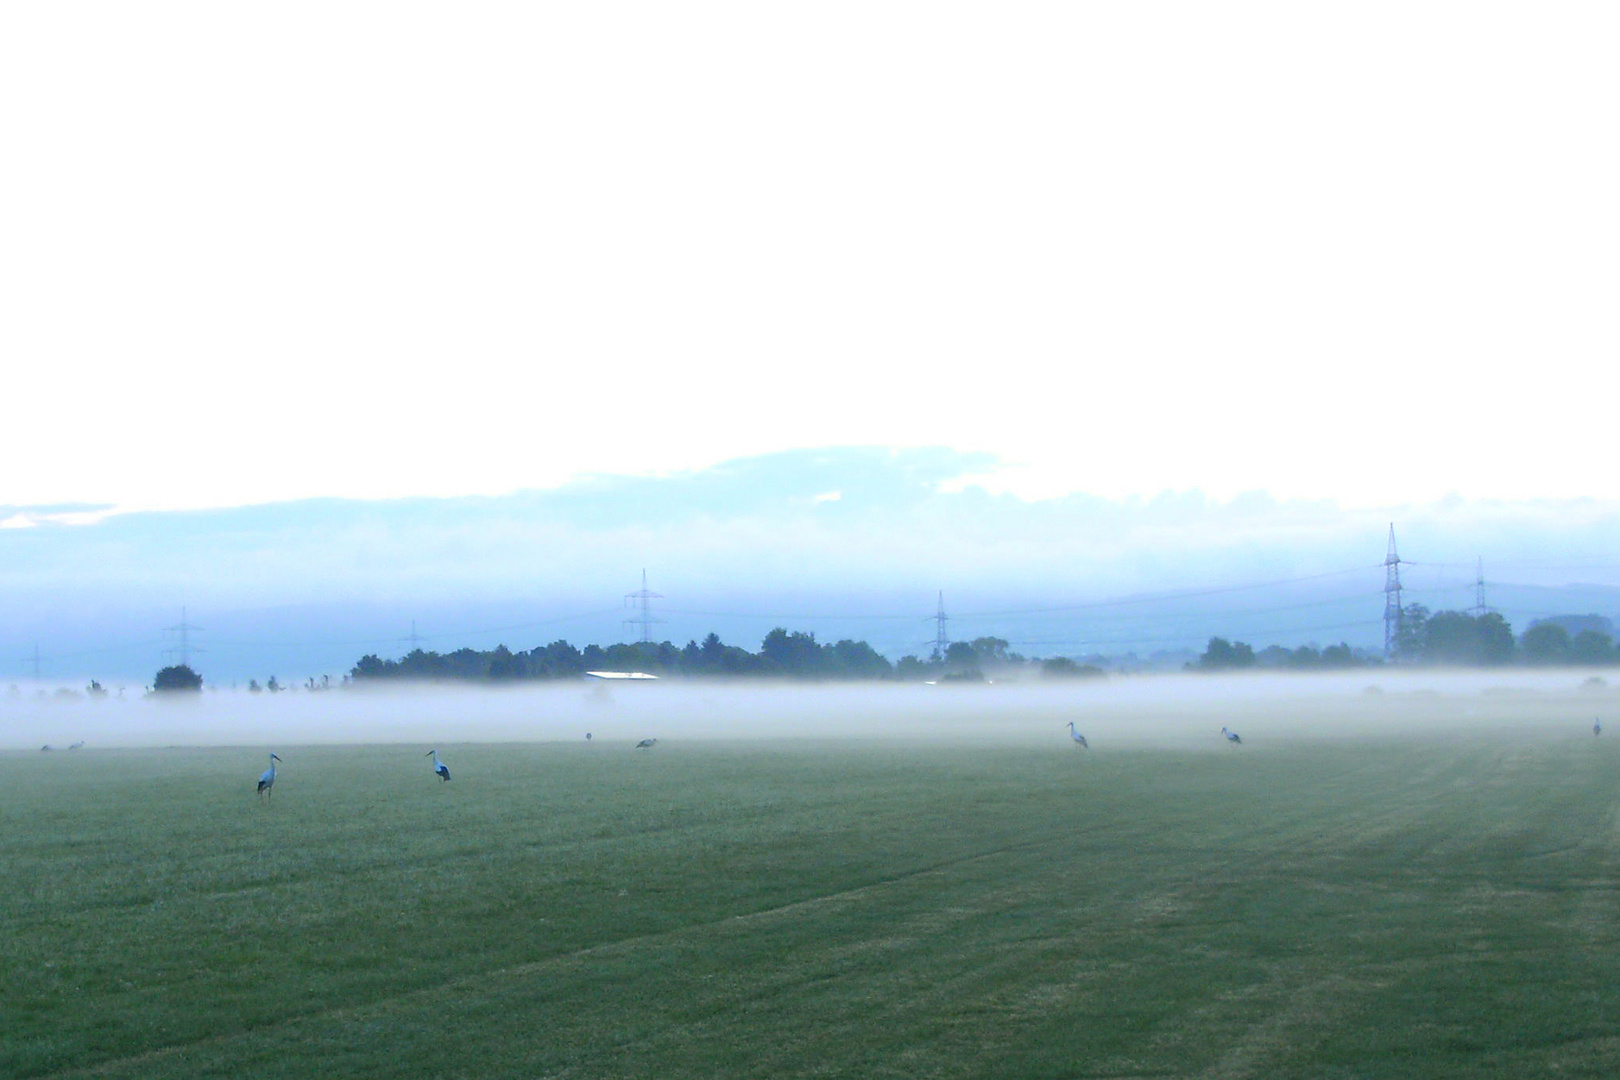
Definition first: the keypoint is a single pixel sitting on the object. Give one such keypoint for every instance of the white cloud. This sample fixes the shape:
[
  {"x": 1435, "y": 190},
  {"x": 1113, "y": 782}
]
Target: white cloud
[{"x": 377, "y": 251}]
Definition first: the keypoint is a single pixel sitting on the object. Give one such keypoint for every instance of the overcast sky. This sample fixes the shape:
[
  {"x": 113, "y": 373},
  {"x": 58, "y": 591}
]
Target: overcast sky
[{"x": 1352, "y": 252}]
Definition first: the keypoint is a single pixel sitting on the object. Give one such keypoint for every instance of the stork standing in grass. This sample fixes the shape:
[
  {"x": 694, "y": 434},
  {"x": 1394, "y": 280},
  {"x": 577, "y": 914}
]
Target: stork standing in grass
[
  {"x": 1079, "y": 739},
  {"x": 440, "y": 769},
  {"x": 1231, "y": 737},
  {"x": 267, "y": 779}
]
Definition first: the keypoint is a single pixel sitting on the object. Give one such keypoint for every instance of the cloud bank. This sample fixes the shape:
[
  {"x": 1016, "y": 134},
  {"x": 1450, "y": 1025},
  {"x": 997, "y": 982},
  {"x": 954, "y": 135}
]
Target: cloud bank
[{"x": 865, "y": 532}]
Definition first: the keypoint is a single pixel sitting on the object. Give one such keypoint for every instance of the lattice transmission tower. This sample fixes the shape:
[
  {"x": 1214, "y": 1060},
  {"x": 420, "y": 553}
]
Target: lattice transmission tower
[
  {"x": 942, "y": 641},
  {"x": 1480, "y": 606},
  {"x": 185, "y": 648},
  {"x": 642, "y": 599},
  {"x": 1392, "y": 596}
]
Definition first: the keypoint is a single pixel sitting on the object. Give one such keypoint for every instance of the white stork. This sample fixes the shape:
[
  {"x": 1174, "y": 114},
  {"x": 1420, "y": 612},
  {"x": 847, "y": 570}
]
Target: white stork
[
  {"x": 440, "y": 769},
  {"x": 1079, "y": 739},
  {"x": 267, "y": 779},
  {"x": 1231, "y": 737}
]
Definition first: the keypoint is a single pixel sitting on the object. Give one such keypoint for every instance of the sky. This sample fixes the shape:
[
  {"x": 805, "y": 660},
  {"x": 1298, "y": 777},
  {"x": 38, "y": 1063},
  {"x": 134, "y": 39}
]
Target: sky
[
  {"x": 860, "y": 543},
  {"x": 797, "y": 300},
  {"x": 254, "y": 254}
]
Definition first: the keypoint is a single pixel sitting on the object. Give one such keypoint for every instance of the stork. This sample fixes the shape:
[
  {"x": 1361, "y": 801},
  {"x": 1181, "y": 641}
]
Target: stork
[
  {"x": 1597, "y": 726},
  {"x": 646, "y": 744},
  {"x": 1079, "y": 739},
  {"x": 440, "y": 769},
  {"x": 267, "y": 779},
  {"x": 1231, "y": 737}
]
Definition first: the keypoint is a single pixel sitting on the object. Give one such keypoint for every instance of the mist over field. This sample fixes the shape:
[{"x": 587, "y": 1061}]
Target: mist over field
[{"x": 1179, "y": 711}]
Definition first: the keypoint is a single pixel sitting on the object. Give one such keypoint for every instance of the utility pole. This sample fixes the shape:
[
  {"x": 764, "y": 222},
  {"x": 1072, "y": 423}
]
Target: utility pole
[
  {"x": 643, "y": 599},
  {"x": 1392, "y": 596}
]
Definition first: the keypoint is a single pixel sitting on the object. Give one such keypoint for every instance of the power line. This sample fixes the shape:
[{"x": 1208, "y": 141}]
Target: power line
[
  {"x": 1089, "y": 605},
  {"x": 1155, "y": 598},
  {"x": 1183, "y": 638},
  {"x": 1115, "y": 613},
  {"x": 458, "y": 634}
]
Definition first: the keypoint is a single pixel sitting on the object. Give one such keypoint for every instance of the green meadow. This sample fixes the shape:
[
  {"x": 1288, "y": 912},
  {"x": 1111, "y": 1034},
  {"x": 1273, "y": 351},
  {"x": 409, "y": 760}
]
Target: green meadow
[{"x": 1358, "y": 908}]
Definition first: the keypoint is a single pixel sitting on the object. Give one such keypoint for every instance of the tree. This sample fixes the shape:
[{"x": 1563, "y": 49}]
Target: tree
[
  {"x": 992, "y": 652},
  {"x": 1496, "y": 644},
  {"x": 1223, "y": 655},
  {"x": 1545, "y": 643},
  {"x": 1591, "y": 648},
  {"x": 1454, "y": 637},
  {"x": 793, "y": 653},
  {"x": 1061, "y": 667},
  {"x": 1338, "y": 656},
  {"x": 855, "y": 660},
  {"x": 555, "y": 661},
  {"x": 1411, "y": 630},
  {"x": 913, "y": 668},
  {"x": 504, "y": 666},
  {"x": 177, "y": 679}
]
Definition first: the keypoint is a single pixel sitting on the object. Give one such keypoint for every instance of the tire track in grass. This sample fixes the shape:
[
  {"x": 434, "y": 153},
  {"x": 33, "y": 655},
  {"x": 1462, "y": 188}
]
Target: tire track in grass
[
  {"x": 1295, "y": 1026},
  {"x": 1359, "y": 814},
  {"x": 1305, "y": 999},
  {"x": 1312, "y": 1005},
  {"x": 462, "y": 984}
]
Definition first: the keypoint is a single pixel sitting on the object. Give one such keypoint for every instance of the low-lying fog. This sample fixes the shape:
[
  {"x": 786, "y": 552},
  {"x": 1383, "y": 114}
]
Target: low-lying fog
[{"x": 1182, "y": 710}]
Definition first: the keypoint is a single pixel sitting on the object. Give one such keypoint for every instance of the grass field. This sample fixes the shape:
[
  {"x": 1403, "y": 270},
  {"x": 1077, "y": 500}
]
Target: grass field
[{"x": 1362, "y": 908}]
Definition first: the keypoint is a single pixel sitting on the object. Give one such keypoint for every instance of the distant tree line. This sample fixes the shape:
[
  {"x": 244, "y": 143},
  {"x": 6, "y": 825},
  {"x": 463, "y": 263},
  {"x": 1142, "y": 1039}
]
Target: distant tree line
[
  {"x": 788, "y": 654},
  {"x": 1441, "y": 638},
  {"x": 1448, "y": 638}
]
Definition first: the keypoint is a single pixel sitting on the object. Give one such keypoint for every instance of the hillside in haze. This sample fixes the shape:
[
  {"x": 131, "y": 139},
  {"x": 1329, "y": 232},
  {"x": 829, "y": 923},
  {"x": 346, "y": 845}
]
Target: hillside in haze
[{"x": 847, "y": 543}]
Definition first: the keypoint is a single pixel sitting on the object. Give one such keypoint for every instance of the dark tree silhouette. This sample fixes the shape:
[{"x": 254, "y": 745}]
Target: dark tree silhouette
[{"x": 177, "y": 678}]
